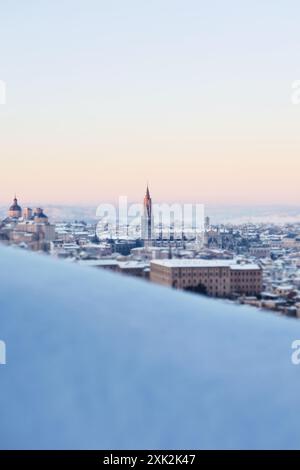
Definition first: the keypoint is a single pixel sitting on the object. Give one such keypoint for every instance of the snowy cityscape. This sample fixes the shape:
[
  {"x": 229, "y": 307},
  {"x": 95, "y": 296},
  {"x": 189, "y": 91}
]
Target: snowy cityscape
[{"x": 256, "y": 264}]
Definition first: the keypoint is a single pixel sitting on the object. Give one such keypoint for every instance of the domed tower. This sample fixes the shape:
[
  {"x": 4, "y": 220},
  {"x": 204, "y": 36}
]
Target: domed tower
[
  {"x": 15, "y": 211},
  {"x": 39, "y": 217}
]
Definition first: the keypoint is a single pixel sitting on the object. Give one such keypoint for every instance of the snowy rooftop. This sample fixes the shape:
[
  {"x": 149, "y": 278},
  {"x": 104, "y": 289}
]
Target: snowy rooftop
[
  {"x": 204, "y": 263},
  {"x": 98, "y": 262},
  {"x": 248, "y": 266},
  {"x": 99, "y": 360},
  {"x": 132, "y": 264}
]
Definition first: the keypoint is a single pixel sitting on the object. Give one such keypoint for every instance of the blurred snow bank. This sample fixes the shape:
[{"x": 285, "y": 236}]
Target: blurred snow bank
[{"x": 98, "y": 360}]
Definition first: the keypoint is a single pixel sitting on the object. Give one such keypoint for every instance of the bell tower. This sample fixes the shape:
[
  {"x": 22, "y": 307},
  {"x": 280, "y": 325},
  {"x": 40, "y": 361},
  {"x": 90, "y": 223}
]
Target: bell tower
[{"x": 147, "y": 219}]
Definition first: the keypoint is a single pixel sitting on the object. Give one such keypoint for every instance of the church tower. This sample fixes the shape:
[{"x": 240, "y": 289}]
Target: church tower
[
  {"x": 15, "y": 211},
  {"x": 147, "y": 219}
]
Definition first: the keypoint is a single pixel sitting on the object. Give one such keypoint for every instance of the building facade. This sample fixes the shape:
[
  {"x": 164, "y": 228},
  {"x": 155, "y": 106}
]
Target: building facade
[
  {"x": 30, "y": 228},
  {"x": 217, "y": 278}
]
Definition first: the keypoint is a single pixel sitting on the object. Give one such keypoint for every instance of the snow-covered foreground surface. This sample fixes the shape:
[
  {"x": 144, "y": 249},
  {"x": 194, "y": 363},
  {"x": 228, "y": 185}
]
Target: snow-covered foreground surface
[{"x": 99, "y": 360}]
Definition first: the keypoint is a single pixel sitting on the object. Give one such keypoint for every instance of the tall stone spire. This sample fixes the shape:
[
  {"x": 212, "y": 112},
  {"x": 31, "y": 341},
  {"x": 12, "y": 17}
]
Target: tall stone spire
[
  {"x": 147, "y": 218},
  {"x": 148, "y": 203}
]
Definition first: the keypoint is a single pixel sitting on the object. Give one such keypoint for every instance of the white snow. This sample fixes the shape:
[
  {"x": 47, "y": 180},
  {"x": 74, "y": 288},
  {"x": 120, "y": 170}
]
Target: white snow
[
  {"x": 100, "y": 360},
  {"x": 205, "y": 263}
]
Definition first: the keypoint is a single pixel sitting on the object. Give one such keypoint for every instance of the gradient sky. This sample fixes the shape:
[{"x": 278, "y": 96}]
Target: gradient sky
[{"x": 193, "y": 96}]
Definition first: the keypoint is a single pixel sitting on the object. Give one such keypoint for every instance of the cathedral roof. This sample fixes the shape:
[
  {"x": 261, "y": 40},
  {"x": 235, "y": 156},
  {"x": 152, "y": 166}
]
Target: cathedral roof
[
  {"x": 15, "y": 206},
  {"x": 41, "y": 216}
]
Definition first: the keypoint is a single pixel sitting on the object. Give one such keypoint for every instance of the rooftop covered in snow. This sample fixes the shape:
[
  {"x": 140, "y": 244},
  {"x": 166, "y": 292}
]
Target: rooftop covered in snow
[
  {"x": 99, "y": 360},
  {"x": 205, "y": 263}
]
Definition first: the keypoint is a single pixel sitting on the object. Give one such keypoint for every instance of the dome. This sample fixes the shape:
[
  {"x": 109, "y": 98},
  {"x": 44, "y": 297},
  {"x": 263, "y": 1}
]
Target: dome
[
  {"x": 39, "y": 214},
  {"x": 38, "y": 211},
  {"x": 15, "y": 206}
]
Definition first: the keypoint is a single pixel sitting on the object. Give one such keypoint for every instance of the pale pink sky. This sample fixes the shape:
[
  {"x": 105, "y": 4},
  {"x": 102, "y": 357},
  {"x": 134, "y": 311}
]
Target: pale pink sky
[{"x": 195, "y": 99}]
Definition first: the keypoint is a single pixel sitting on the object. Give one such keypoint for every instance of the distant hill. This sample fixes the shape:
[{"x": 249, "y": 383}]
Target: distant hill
[{"x": 219, "y": 214}]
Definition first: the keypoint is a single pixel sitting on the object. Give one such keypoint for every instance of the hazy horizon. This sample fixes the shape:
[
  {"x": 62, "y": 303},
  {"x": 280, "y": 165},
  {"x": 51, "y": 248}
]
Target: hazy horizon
[{"x": 219, "y": 213}]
